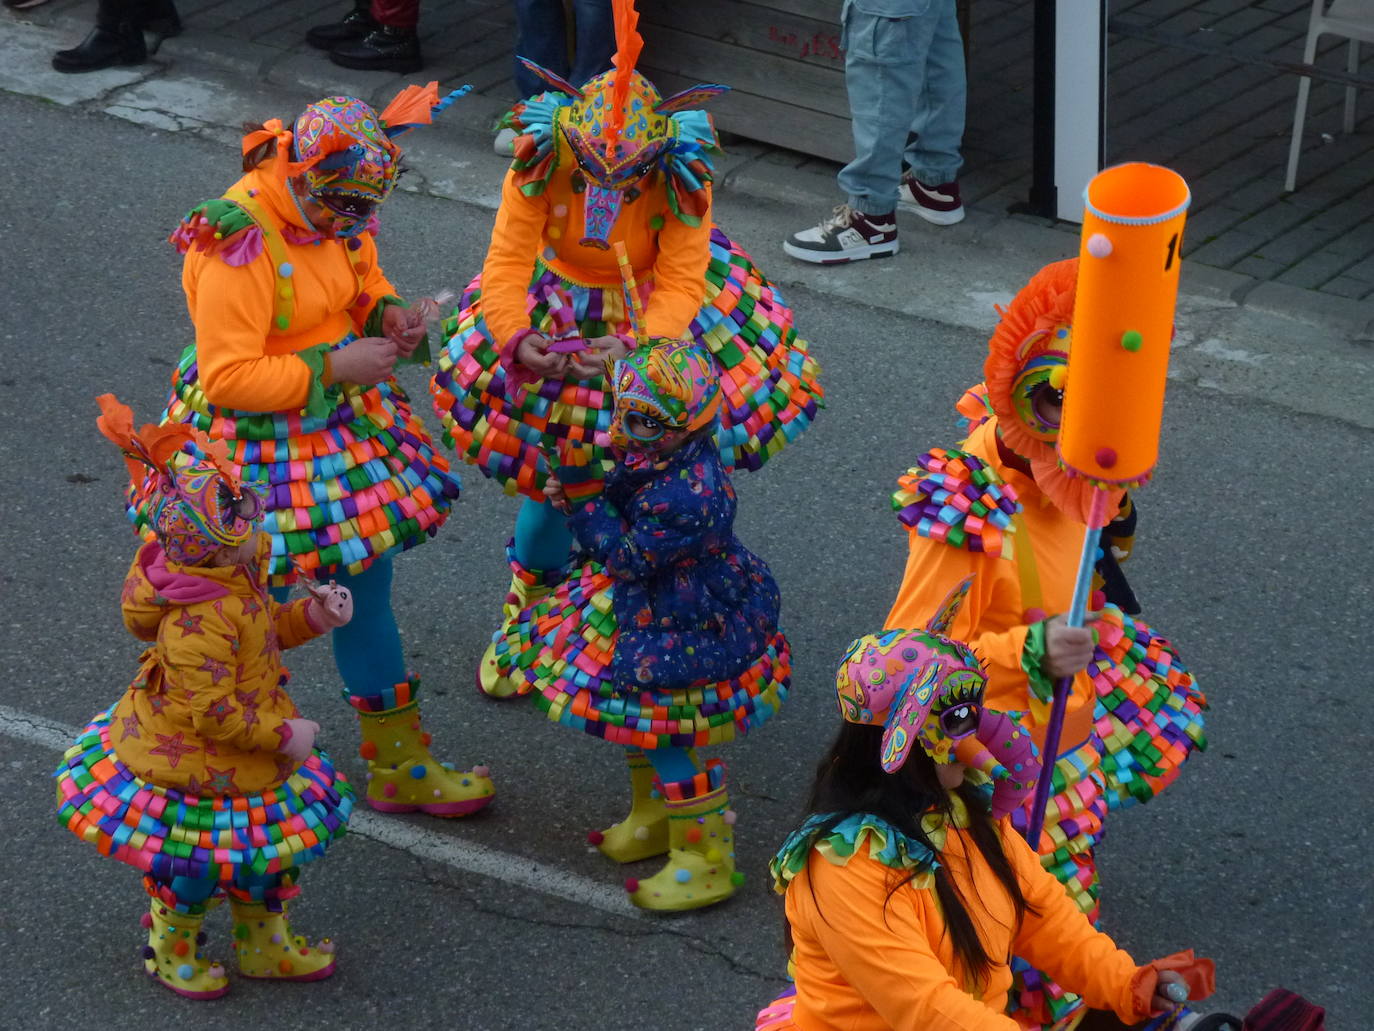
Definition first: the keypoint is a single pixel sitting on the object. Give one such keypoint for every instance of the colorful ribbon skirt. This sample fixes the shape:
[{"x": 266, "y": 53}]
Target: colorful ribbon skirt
[
  {"x": 562, "y": 647},
  {"x": 770, "y": 381},
  {"x": 168, "y": 833}
]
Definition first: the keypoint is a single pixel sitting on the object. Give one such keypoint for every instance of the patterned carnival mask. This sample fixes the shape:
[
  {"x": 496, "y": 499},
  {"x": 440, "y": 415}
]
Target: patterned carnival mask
[
  {"x": 347, "y": 152},
  {"x": 617, "y": 128},
  {"x": 197, "y": 506},
  {"x": 664, "y": 390},
  {"x": 1025, "y": 372},
  {"x": 924, "y": 687}
]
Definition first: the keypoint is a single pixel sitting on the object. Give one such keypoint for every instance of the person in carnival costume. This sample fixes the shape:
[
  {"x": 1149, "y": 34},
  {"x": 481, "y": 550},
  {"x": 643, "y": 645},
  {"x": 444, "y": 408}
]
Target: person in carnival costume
[
  {"x": 297, "y": 333},
  {"x": 204, "y": 775},
  {"x": 907, "y": 886},
  {"x": 1000, "y": 505},
  {"x": 666, "y": 638},
  {"x": 600, "y": 167}
]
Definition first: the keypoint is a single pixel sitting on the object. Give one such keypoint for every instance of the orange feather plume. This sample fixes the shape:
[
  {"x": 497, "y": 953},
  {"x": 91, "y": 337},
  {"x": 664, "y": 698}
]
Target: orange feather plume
[
  {"x": 156, "y": 447},
  {"x": 412, "y": 106},
  {"x": 628, "y": 44}
]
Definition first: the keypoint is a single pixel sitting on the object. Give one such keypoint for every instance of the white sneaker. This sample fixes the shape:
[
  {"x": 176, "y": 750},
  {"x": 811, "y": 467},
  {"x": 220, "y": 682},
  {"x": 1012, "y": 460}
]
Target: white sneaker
[
  {"x": 847, "y": 235},
  {"x": 505, "y": 142},
  {"x": 938, "y": 205}
]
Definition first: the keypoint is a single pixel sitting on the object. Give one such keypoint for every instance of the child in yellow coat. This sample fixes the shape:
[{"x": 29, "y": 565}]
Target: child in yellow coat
[{"x": 204, "y": 775}]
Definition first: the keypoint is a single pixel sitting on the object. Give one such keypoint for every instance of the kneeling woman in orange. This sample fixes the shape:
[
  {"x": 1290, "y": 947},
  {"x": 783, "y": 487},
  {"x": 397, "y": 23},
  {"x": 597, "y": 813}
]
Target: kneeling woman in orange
[
  {"x": 907, "y": 887},
  {"x": 297, "y": 331}
]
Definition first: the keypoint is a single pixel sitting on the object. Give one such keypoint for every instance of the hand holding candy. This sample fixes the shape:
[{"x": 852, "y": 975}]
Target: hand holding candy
[
  {"x": 301, "y": 739},
  {"x": 366, "y": 361},
  {"x": 533, "y": 352},
  {"x": 405, "y": 327},
  {"x": 330, "y": 605}
]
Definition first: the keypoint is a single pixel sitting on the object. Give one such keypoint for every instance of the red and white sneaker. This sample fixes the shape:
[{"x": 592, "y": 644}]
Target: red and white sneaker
[
  {"x": 847, "y": 235},
  {"x": 938, "y": 205}
]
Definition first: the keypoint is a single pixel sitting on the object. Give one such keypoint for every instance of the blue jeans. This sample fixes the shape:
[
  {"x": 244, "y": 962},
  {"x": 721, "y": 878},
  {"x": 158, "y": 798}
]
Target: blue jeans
[
  {"x": 904, "y": 70},
  {"x": 541, "y": 36}
]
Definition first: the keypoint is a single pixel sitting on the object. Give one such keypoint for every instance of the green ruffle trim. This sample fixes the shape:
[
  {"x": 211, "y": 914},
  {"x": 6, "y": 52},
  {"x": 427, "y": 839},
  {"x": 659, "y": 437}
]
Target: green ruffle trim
[
  {"x": 886, "y": 845},
  {"x": 1032, "y": 655},
  {"x": 372, "y": 327},
  {"x": 225, "y": 216},
  {"x": 321, "y": 399}
]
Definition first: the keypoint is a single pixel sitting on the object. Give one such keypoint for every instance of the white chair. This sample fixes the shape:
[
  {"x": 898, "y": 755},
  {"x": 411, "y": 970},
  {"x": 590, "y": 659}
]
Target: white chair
[{"x": 1352, "y": 20}]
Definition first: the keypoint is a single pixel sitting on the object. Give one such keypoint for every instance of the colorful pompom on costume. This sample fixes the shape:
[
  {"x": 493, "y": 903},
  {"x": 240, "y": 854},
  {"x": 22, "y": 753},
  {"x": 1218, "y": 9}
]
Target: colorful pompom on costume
[
  {"x": 666, "y": 638},
  {"x": 348, "y": 474},
  {"x": 875, "y": 899},
  {"x": 187, "y": 778},
  {"x": 1002, "y": 507},
  {"x": 606, "y": 164}
]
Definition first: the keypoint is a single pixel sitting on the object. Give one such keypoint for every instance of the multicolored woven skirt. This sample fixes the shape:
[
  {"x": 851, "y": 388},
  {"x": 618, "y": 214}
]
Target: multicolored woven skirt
[
  {"x": 342, "y": 489},
  {"x": 1148, "y": 712},
  {"x": 770, "y": 381},
  {"x": 167, "y": 833},
  {"x": 562, "y": 647}
]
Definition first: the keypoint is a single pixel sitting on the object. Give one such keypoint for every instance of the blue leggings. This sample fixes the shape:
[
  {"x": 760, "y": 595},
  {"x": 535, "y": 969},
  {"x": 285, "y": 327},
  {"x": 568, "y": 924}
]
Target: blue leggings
[
  {"x": 191, "y": 894},
  {"x": 543, "y": 540},
  {"x": 367, "y": 649},
  {"x": 672, "y": 764}
]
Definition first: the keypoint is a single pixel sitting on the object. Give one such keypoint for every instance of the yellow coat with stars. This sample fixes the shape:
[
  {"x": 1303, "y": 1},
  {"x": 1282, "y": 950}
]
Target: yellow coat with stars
[{"x": 205, "y": 714}]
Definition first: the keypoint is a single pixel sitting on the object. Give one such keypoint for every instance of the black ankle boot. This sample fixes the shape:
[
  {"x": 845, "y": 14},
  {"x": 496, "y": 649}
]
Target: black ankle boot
[
  {"x": 106, "y": 46},
  {"x": 386, "y": 49},
  {"x": 356, "y": 24}
]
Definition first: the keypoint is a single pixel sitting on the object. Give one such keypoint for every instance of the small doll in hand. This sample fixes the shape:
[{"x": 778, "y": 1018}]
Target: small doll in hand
[
  {"x": 666, "y": 638},
  {"x": 203, "y": 775}
]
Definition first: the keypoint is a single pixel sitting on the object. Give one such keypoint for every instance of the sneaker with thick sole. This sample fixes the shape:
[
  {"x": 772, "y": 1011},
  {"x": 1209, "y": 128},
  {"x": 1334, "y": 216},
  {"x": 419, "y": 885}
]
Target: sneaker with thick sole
[
  {"x": 847, "y": 235},
  {"x": 938, "y": 205}
]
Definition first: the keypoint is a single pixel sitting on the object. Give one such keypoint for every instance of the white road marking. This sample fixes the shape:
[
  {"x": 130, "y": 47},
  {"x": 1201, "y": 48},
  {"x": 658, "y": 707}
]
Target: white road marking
[{"x": 418, "y": 841}]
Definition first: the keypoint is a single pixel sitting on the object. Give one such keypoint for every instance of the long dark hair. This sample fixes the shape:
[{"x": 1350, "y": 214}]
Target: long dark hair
[{"x": 850, "y": 780}]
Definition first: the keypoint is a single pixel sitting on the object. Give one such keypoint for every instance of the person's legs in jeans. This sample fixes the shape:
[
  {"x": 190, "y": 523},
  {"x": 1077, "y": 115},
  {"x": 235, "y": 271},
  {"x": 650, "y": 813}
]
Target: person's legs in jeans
[
  {"x": 884, "y": 73},
  {"x": 934, "y": 156},
  {"x": 594, "y": 32},
  {"x": 541, "y": 37}
]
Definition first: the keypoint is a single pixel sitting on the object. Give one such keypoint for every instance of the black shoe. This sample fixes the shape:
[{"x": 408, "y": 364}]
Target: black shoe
[
  {"x": 388, "y": 49},
  {"x": 356, "y": 24},
  {"x": 106, "y": 46},
  {"x": 159, "y": 19}
]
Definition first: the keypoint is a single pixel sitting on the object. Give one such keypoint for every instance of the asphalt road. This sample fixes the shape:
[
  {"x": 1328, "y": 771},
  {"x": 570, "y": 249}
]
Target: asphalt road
[{"x": 1252, "y": 557}]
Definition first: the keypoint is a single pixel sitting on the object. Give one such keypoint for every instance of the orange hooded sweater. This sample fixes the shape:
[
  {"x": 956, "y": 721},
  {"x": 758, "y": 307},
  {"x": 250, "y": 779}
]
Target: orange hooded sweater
[{"x": 205, "y": 714}]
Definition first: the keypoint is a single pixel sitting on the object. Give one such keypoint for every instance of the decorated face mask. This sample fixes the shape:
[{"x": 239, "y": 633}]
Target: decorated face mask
[
  {"x": 1025, "y": 372},
  {"x": 617, "y": 129},
  {"x": 355, "y": 163},
  {"x": 664, "y": 392},
  {"x": 197, "y": 506},
  {"x": 925, "y": 688}
]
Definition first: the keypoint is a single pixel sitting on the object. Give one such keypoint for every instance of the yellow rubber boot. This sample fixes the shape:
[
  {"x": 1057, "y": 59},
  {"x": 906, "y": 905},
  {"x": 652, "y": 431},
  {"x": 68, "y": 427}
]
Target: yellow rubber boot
[
  {"x": 644, "y": 832},
  {"x": 403, "y": 776},
  {"x": 266, "y": 948},
  {"x": 172, "y": 956},
  {"x": 527, "y": 587},
  {"x": 701, "y": 856}
]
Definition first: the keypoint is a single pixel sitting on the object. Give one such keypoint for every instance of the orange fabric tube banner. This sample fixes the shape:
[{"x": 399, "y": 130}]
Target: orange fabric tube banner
[{"x": 1123, "y": 319}]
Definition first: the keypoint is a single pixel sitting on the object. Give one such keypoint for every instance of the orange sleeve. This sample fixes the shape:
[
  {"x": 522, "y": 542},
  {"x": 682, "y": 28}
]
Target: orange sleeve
[
  {"x": 933, "y": 568},
  {"x": 231, "y": 307},
  {"x": 509, "y": 263},
  {"x": 375, "y": 285},
  {"x": 202, "y": 666},
  {"x": 293, "y": 625},
  {"x": 884, "y": 951},
  {"x": 1061, "y": 941},
  {"x": 679, "y": 277}
]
